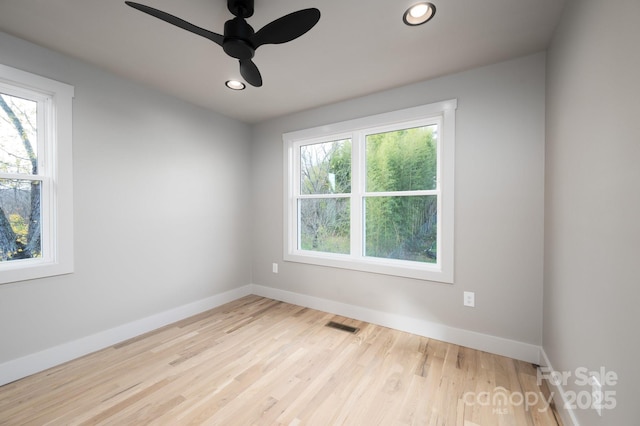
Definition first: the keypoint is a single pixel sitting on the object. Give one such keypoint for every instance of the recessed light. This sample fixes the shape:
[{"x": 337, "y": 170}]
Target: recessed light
[
  {"x": 419, "y": 13},
  {"x": 235, "y": 85}
]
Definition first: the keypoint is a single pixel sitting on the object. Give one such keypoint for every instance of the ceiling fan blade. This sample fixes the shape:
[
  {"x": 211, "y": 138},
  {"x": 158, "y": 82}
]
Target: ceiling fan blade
[
  {"x": 216, "y": 38},
  {"x": 287, "y": 28},
  {"x": 250, "y": 72}
]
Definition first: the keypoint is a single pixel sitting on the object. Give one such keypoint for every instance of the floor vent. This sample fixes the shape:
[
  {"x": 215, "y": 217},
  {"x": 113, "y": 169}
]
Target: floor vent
[{"x": 342, "y": 327}]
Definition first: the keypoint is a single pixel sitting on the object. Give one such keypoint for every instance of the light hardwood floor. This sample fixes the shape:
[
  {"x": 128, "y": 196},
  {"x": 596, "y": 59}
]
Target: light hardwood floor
[{"x": 260, "y": 361}]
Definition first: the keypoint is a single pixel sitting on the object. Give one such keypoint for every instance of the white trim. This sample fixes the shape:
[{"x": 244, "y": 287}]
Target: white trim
[
  {"x": 345, "y": 127},
  {"x": 483, "y": 342},
  {"x": 563, "y": 406},
  {"x": 39, "y": 361}
]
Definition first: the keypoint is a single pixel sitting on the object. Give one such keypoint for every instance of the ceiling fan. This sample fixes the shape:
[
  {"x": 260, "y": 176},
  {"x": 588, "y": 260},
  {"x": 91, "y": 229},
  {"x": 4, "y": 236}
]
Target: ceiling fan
[{"x": 240, "y": 41}]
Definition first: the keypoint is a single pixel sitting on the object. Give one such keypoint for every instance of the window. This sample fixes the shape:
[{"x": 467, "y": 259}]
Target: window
[
  {"x": 36, "y": 206},
  {"x": 374, "y": 194}
]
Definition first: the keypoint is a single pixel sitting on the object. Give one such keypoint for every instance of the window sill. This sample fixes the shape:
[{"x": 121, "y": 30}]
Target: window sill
[
  {"x": 31, "y": 269},
  {"x": 398, "y": 268}
]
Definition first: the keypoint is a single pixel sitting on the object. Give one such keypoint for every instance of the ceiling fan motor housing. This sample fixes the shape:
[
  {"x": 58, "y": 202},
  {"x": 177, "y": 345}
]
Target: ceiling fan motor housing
[
  {"x": 240, "y": 8},
  {"x": 237, "y": 34}
]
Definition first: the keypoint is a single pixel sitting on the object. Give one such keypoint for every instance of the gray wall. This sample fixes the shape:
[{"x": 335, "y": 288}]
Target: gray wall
[
  {"x": 592, "y": 233},
  {"x": 161, "y": 202},
  {"x": 498, "y": 205}
]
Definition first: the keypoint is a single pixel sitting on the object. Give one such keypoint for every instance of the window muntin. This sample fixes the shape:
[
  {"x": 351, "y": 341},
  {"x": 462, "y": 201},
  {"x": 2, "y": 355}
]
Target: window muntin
[
  {"x": 397, "y": 183},
  {"x": 36, "y": 204}
]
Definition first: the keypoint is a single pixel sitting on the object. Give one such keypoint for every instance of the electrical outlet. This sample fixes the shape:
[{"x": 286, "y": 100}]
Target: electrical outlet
[
  {"x": 274, "y": 268},
  {"x": 596, "y": 394},
  {"x": 469, "y": 299}
]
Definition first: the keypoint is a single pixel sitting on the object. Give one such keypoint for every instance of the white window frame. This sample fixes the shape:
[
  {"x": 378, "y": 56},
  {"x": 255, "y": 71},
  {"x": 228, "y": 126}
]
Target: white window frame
[
  {"x": 441, "y": 113},
  {"x": 54, "y": 171}
]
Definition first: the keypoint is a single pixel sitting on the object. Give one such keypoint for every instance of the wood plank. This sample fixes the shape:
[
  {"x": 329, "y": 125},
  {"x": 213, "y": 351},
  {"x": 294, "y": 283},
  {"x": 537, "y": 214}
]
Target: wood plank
[{"x": 265, "y": 362}]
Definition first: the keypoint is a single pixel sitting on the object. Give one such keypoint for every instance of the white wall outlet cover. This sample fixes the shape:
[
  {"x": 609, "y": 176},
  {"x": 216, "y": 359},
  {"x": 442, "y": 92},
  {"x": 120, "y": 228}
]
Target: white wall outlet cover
[{"x": 469, "y": 299}]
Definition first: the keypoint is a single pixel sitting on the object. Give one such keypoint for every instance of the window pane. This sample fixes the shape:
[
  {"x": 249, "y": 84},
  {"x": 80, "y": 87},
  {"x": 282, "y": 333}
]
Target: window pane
[
  {"x": 325, "y": 168},
  {"x": 18, "y": 140},
  {"x": 401, "y": 228},
  {"x": 324, "y": 225},
  {"x": 19, "y": 219},
  {"x": 402, "y": 160}
]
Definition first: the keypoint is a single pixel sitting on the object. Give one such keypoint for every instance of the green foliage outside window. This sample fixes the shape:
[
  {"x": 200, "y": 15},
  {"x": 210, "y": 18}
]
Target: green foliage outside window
[
  {"x": 397, "y": 225},
  {"x": 401, "y": 227},
  {"x": 325, "y": 222}
]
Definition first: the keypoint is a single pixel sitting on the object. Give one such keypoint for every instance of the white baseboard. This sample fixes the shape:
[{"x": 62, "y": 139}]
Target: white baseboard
[
  {"x": 39, "y": 361},
  {"x": 484, "y": 342},
  {"x": 563, "y": 406}
]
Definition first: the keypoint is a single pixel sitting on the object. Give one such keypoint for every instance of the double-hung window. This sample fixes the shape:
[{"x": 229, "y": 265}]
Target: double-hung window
[
  {"x": 374, "y": 194},
  {"x": 36, "y": 206}
]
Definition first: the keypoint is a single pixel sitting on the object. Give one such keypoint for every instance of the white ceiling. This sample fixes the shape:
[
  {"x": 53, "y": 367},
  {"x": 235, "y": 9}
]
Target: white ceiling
[{"x": 358, "y": 47}]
